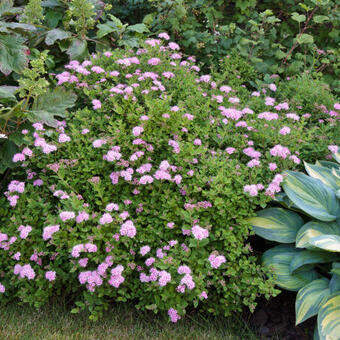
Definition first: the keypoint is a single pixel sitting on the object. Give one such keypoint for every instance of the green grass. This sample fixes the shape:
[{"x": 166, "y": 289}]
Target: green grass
[{"x": 120, "y": 322}]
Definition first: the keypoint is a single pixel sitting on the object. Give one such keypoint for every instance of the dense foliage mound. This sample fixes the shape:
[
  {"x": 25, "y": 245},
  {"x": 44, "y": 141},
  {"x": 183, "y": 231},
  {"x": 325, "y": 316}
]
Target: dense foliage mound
[{"x": 143, "y": 192}]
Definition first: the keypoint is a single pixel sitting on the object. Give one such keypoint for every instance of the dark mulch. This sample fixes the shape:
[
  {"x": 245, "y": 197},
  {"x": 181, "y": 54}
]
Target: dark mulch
[{"x": 275, "y": 320}]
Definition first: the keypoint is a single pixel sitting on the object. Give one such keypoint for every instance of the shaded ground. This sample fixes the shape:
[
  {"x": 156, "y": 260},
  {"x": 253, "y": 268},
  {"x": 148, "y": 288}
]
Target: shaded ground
[{"x": 276, "y": 320}]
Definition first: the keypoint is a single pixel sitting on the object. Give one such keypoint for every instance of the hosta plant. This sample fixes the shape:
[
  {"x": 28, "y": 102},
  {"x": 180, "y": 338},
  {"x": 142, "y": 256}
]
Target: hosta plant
[{"x": 308, "y": 261}]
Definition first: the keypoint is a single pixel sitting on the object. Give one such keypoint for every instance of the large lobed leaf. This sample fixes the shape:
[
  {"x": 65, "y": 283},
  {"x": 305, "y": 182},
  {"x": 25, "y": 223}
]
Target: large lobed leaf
[
  {"x": 12, "y": 53},
  {"x": 51, "y": 104}
]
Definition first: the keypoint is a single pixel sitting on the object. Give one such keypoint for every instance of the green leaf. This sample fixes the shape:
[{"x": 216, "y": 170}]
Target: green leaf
[
  {"x": 311, "y": 256},
  {"x": 305, "y": 39},
  {"x": 310, "y": 298},
  {"x": 51, "y": 104},
  {"x": 277, "y": 224},
  {"x": 298, "y": 17},
  {"x": 279, "y": 259},
  {"x": 139, "y": 28},
  {"x": 77, "y": 49},
  {"x": 106, "y": 28},
  {"x": 52, "y": 18},
  {"x": 116, "y": 21},
  {"x": 7, "y": 92},
  {"x": 324, "y": 174},
  {"x": 329, "y": 318},
  {"x": 320, "y": 18},
  {"x": 7, "y": 151},
  {"x": 310, "y": 195},
  {"x": 315, "y": 229},
  {"x": 6, "y": 8},
  {"x": 56, "y": 34},
  {"x": 20, "y": 26},
  {"x": 12, "y": 54},
  {"x": 326, "y": 242}
]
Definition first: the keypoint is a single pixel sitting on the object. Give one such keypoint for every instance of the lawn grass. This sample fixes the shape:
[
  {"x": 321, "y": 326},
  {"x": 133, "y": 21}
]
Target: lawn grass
[{"x": 120, "y": 322}]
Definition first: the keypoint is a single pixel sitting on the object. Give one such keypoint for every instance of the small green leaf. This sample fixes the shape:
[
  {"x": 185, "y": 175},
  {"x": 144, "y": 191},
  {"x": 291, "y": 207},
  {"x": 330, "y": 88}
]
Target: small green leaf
[
  {"x": 139, "y": 28},
  {"x": 298, "y": 17},
  {"x": 320, "y": 18},
  {"x": 305, "y": 39}
]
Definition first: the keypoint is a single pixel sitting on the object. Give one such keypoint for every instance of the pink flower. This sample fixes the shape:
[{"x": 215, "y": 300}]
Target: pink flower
[
  {"x": 173, "y": 46},
  {"x": 183, "y": 270},
  {"x": 50, "y": 275},
  {"x": 216, "y": 261},
  {"x": 18, "y": 157},
  {"x": 280, "y": 151},
  {"x": 164, "y": 278},
  {"x": 105, "y": 219},
  {"x": 204, "y": 295},
  {"x": 285, "y": 130},
  {"x": 333, "y": 148},
  {"x": 154, "y": 61},
  {"x": 272, "y": 87},
  {"x": 164, "y": 36},
  {"x": 2, "y": 288},
  {"x": 128, "y": 229},
  {"x": 144, "y": 250},
  {"x": 251, "y": 189},
  {"x": 174, "y": 317},
  {"x": 67, "y": 215},
  {"x": 272, "y": 166},
  {"x": 137, "y": 130},
  {"x": 199, "y": 233},
  {"x": 197, "y": 141},
  {"x": 96, "y": 104},
  {"x": 24, "y": 231},
  {"x": 146, "y": 180},
  {"x": 49, "y": 231},
  {"x": 63, "y": 138}
]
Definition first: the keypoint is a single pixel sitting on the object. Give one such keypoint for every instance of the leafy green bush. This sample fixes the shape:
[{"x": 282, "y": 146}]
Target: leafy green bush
[
  {"x": 312, "y": 265},
  {"x": 143, "y": 192},
  {"x": 276, "y": 39}
]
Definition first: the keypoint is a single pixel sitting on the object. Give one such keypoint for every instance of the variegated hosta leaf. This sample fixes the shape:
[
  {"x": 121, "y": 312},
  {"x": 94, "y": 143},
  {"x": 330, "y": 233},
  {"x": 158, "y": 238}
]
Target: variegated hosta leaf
[
  {"x": 326, "y": 242},
  {"x": 311, "y": 256},
  {"x": 334, "y": 283},
  {"x": 329, "y": 318},
  {"x": 312, "y": 196},
  {"x": 328, "y": 164},
  {"x": 324, "y": 174},
  {"x": 279, "y": 259},
  {"x": 336, "y": 156},
  {"x": 277, "y": 224},
  {"x": 310, "y": 298},
  {"x": 314, "y": 229}
]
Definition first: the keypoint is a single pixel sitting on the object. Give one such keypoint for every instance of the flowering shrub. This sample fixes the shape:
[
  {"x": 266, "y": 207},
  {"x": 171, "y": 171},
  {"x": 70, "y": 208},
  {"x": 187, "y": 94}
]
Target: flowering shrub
[{"x": 143, "y": 192}]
